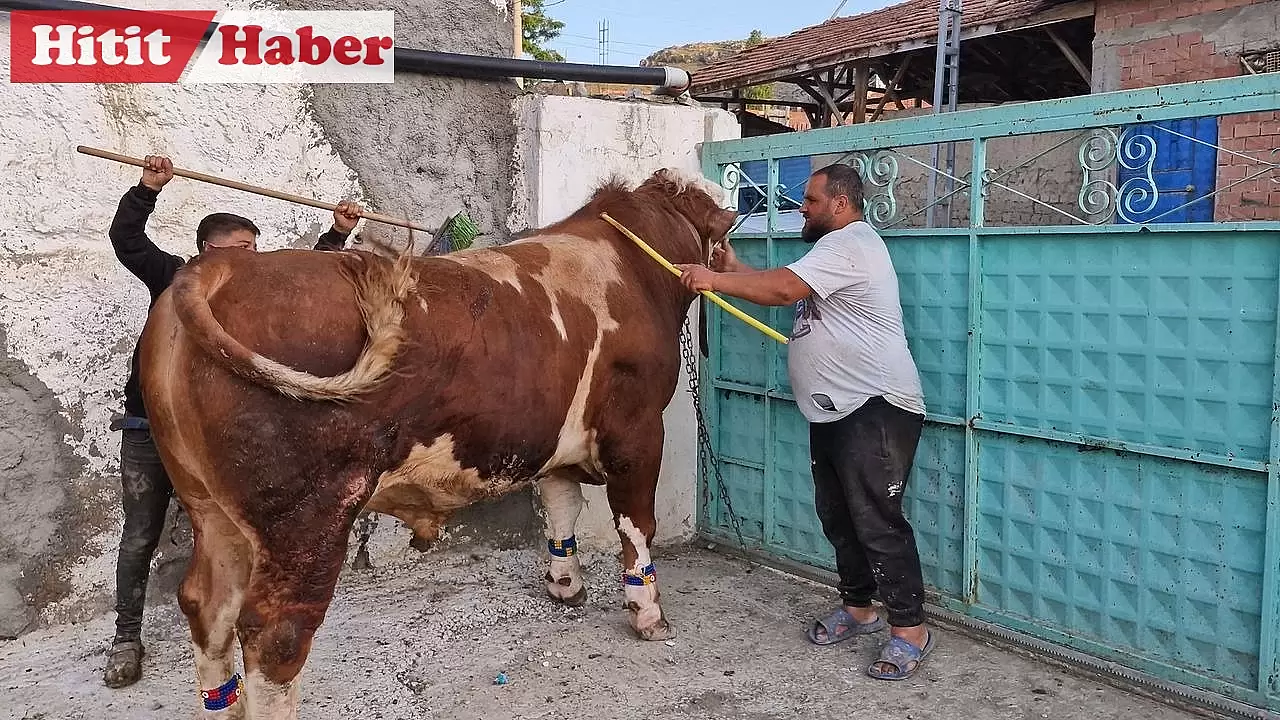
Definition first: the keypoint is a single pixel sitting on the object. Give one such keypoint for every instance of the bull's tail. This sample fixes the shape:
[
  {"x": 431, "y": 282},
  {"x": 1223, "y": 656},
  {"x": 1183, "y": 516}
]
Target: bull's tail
[{"x": 381, "y": 291}]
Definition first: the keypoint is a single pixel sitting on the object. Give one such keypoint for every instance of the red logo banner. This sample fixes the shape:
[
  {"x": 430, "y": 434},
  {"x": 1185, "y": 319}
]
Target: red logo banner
[{"x": 103, "y": 46}]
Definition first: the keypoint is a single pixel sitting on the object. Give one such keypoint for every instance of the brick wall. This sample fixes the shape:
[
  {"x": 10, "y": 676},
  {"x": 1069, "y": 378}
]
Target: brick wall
[
  {"x": 1158, "y": 42},
  {"x": 1256, "y": 135},
  {"x": 1118, "y": 14},
  {"x": 1174, "y": 59}
]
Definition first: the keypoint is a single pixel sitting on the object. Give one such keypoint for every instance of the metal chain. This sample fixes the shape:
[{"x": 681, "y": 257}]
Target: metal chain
[{"x": 690, "y": 356}]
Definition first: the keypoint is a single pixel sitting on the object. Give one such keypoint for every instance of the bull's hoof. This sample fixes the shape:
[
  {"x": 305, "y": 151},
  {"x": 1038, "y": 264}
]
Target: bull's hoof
[
  {"x": 556, "y": 589},
  {"x": 578, "y": 599},
  {"x": 660, "y": 630}
]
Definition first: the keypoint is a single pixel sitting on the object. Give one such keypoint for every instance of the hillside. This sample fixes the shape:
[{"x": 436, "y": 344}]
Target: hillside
[
  {"x": 691, "y": 57},
  {"x": 696, "y": 55}
]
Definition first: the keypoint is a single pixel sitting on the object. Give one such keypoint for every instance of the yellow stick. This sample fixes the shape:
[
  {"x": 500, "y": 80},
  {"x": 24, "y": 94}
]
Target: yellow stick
[{"x": 710, "y": 295}]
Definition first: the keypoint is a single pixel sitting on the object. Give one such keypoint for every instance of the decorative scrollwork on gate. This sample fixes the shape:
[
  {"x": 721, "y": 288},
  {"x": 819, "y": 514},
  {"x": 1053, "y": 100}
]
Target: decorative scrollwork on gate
[
  {"x": 730, "y": 176},
  {"x": 1097, "y": 155},
  {"x": 1138, "y": 194},
  {"x": 879, "y": 171},
  {"x": 1100, "y": 152}
]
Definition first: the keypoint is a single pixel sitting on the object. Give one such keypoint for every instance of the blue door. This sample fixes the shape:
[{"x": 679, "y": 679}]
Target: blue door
[
  {"x": 1182, "y": 170},
  {"x": 793, "y": 173}
]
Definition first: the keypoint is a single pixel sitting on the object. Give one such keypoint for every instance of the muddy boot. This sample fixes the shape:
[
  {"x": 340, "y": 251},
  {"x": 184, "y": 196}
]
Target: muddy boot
[{"x": 124, "y": 663}]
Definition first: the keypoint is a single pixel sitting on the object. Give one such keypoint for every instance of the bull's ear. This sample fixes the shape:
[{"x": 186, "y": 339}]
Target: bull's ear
[{"x": 721, "y": 221}]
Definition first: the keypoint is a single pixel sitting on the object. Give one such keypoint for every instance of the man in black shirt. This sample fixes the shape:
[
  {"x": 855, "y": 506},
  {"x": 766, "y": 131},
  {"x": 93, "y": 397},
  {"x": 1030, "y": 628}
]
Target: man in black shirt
[{"x": 145, "y": 485}]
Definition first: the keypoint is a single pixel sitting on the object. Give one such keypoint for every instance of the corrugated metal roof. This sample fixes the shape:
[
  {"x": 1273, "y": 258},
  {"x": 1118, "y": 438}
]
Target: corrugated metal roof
[{"x": 876, "y": 33}]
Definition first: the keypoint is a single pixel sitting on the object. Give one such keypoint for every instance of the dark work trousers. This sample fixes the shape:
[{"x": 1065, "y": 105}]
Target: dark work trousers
[
  {"x": 860, "y": 468},
  {"x": 145, "y": 496}
]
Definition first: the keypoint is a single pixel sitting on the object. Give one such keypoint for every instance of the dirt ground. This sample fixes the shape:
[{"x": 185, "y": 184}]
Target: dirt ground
[{"x": 427, "y": 639}]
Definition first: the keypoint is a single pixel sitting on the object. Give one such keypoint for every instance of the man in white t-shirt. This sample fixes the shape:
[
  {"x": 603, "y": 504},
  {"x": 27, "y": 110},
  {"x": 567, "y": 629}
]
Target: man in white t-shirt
[{"x": 856, "y": 383}]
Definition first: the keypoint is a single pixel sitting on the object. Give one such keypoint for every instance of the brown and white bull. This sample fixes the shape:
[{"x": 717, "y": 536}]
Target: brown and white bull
[{"x": 290, "y": 391}]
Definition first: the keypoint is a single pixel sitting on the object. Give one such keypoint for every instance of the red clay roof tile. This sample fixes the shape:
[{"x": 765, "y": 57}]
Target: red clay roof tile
[{"x": 817, "y": 45}]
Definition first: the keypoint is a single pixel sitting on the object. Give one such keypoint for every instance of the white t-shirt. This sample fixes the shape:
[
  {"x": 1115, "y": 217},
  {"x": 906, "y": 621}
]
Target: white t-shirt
[{"x": 847, "y": 343}]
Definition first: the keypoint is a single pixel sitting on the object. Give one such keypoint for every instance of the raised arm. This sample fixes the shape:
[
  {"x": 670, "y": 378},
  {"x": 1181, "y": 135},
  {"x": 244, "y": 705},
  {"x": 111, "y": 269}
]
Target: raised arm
[
  {"x": 153, "y": 266},
  {"x": 345, "y": 217}
]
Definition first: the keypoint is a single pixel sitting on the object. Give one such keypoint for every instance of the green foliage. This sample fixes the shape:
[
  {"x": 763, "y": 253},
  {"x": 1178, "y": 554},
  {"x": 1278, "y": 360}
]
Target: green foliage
[
  {"x": 537, "y": 29},
  {"x": 757, "y": 92}
]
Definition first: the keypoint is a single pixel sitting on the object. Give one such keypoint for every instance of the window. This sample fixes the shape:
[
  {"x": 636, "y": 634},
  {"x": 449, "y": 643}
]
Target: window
[{"x": 1261, "y": 62}]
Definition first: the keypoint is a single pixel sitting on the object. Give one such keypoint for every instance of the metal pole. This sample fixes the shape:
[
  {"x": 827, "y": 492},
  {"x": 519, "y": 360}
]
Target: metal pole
[{"x": 946, "y": 84}]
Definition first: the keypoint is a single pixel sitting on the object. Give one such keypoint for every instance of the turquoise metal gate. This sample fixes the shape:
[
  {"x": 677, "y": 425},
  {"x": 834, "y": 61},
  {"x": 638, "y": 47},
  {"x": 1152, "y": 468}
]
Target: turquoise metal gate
[{"x": 1099, "y": 470}]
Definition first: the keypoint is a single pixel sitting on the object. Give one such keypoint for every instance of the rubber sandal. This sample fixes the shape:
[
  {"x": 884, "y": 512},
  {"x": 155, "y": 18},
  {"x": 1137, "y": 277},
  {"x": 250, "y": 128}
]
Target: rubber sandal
[
  {"x": 852, "y": 627},
  {"x": 904, "y": 656}
]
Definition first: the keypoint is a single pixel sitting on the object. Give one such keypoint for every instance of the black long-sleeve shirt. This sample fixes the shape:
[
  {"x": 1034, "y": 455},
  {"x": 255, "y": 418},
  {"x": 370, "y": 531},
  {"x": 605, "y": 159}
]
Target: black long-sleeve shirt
[{"x": 156, "y": 268}]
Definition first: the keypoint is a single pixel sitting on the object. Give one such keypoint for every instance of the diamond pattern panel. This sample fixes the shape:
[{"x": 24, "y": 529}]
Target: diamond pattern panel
[
  {"x": 741, "y": 426},
  {"x": 1159, "y": 557},
  {"x": 784, "y": 251},
  {"x": 795, "y": 522},
  {"x": 742, "y": 349},
  {"x": 933, "y": 281},
  {"x": 1165, "y": 341},
  {"x": 935, "y": 507},
  {"x": 745, "y": 486}
]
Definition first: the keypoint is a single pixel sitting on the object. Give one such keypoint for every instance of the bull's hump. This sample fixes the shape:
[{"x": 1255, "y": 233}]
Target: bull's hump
[{"x": 499, "y": 267}]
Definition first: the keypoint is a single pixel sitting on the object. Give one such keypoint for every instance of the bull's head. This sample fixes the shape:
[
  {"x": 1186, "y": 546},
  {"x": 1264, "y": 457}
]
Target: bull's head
[{"x": 698, "y": 200}]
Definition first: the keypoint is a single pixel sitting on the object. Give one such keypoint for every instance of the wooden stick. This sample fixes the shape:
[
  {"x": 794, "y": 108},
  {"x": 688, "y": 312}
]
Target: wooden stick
[
  {"x": 707, "y": 293},
  {"x": 236, "y": 185}
]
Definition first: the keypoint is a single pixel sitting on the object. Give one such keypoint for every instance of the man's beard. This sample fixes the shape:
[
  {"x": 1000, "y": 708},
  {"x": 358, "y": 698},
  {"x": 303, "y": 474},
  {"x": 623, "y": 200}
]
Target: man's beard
[{"x": 813, "y": 230}]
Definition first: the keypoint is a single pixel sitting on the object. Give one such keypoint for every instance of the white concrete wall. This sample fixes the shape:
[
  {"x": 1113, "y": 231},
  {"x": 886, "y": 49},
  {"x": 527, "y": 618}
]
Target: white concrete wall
[{"x": 566, "y": 146}]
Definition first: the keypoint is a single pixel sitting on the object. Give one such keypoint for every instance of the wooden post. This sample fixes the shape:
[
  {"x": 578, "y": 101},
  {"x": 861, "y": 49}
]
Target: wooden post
[{"x": 861, "y": 82}]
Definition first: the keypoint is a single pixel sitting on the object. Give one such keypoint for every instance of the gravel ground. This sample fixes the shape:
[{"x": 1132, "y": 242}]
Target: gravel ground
[{"x": 427, "y": 638}]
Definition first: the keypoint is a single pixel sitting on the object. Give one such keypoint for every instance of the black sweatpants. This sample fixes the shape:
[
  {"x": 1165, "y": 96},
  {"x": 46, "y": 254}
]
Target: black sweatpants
[
  {"x": 860, "y": 468},
  {"x": 145, "y": 494}
]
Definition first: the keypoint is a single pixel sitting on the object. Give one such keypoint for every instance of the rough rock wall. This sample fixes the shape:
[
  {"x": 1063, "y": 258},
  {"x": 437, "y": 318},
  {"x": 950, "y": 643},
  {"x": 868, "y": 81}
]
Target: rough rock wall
[
  {"x": 40, "y": 513},
  {"x": 429, "y": 146},
  {"x": 70, "y": 314}
]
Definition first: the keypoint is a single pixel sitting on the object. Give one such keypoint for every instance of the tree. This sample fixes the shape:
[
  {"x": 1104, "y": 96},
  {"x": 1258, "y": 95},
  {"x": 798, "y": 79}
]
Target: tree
[
  {"x": 537, "y": 29},
  {"x": 757, "y": 92}
]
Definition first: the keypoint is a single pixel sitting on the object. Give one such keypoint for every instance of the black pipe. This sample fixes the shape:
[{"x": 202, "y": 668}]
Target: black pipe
[
  {"x": 476, "y": 67},
  {"x": 483, "y": 66}
]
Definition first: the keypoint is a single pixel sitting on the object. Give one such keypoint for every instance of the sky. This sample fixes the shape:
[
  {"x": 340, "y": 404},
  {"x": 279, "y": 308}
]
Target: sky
[{"x": 638, "y": 28}]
